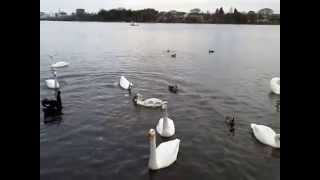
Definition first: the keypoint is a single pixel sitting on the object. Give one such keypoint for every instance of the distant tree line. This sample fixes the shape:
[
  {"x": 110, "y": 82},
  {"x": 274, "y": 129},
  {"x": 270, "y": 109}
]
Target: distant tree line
[{"x": 264, "y": 16}]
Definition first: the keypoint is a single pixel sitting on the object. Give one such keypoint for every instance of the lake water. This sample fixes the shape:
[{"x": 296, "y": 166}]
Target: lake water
[{"x": 102, "y": 135}]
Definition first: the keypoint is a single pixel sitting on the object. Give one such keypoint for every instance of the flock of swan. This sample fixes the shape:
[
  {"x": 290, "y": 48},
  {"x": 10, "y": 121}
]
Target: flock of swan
[{"x": 166, "y": 153}]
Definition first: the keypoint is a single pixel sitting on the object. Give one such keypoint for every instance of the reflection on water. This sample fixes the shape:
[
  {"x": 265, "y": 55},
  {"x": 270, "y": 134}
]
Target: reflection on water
[
  {"x": 275, "y": 101},
  {"x": 103, "y": 135}
]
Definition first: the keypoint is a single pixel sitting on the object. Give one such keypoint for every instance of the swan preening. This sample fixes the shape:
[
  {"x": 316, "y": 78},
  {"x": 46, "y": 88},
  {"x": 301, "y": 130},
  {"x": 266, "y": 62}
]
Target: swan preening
[
  {"x": 164, "y": 155},
  {"x": 125, "y": 84},
  {"x": 150, "y": 102},
  {"x": 266, "y": 135},
  {"x": 275, "y": 85},
  {"x": 165, "y": 126}
]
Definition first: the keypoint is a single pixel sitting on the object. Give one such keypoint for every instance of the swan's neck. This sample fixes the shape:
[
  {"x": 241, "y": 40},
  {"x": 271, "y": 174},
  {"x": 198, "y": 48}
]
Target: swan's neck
[
  {"x": 165, "y": 119},
  {"x": 55, "y": 79},
  {"x": 153, "y": 155}
]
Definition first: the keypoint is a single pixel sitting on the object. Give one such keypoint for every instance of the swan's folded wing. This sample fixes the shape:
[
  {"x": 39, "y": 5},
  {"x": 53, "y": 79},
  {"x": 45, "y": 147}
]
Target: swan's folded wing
[
  {"x": 264, "y": 134},
  {"x": 124, "y": 83},
  {"x": 167, "y": 153},
  {"x": 52, "y": 83}
]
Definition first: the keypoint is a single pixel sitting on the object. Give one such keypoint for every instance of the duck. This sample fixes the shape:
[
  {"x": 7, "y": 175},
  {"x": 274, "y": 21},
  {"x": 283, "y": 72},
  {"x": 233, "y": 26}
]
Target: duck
[
  {"x": 164, "y": 155},
  {"x": 266, "y": 135},
  {"x": 230, "y": 120},
  {"x": 165, "y": 126},
  {"x": 125, "y": 84},
  {"x": 168, "y": 50},
  {"x": 174, "y": 55},
  {"x": 211, "y": 51},
  {"x": 150, "y": 102},
  {"x": 173, "y": 88},
  {"x": 59, "y": 64},
  {"x": 275, "y": 85}
]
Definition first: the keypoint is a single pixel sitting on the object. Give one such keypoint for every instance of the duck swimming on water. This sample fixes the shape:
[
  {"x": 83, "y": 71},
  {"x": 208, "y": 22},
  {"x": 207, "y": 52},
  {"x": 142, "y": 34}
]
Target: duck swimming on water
[
  {"x": 211, "y": 51},
  {"x": 174, "y": 55},
  {"x": 230, "y": 121},
  {"x": 173, "y": 88}
]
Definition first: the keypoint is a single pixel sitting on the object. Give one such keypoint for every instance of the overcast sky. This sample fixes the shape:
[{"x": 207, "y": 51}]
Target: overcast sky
[{"x": 160, "y": 5}]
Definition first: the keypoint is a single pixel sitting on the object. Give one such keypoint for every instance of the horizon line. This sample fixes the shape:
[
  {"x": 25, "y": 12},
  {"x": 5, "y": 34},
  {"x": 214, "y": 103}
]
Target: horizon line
[{"x": 136, "y": 9}]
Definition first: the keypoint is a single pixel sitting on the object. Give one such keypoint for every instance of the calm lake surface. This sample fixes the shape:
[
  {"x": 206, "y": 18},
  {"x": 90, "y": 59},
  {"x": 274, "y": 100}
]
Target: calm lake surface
[{"x": 102, "y": 135}]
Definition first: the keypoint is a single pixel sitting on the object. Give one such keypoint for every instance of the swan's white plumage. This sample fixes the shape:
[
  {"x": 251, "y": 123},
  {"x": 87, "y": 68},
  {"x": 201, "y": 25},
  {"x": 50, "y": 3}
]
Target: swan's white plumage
[
  {"x": 167, "y": 153},
  {"x": 266, "y": 135},
  {"x": 275, "y": 85},
  {"x": 164, "y": 155},
  {"x": 124, "y": 83},
  {"x": 59, "y": 64},
  {"x": 168, "y": 131},
  {"x": 165, "y": 126},
  {"x": 150, "y": 102},
  {"x": 52, "y": 83}
]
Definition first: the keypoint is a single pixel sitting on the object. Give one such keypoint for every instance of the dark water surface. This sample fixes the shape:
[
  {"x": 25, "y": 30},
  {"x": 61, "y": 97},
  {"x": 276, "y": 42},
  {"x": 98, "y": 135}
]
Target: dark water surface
[{"x": 102, "y": 135}]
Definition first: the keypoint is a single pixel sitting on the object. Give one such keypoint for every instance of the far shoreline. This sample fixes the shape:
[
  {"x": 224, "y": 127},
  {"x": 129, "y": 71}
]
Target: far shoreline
[{"x": 163, "y": 22}]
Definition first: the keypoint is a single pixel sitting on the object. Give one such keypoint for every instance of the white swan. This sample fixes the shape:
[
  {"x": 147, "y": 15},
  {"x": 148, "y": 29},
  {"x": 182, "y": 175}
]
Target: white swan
[
  {"x": 275, "y": 85},
  {"x": 165, "y": 126},
  {"x": 266, "y": 135},
  {"x": 164, "y": 155},
  {"x": 59, "y": 64},
  {"x": 124, "y": 83},
  {"x": 150, "y": 102},
  {"x": 52, "y": 83}
]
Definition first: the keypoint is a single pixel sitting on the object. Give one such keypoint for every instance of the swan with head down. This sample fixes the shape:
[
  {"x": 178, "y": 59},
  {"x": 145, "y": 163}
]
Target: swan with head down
[
  {"x": 266, "y": 135},
  {"x": 150, "y": 102},
  {"x": 125, "y": 84}
]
